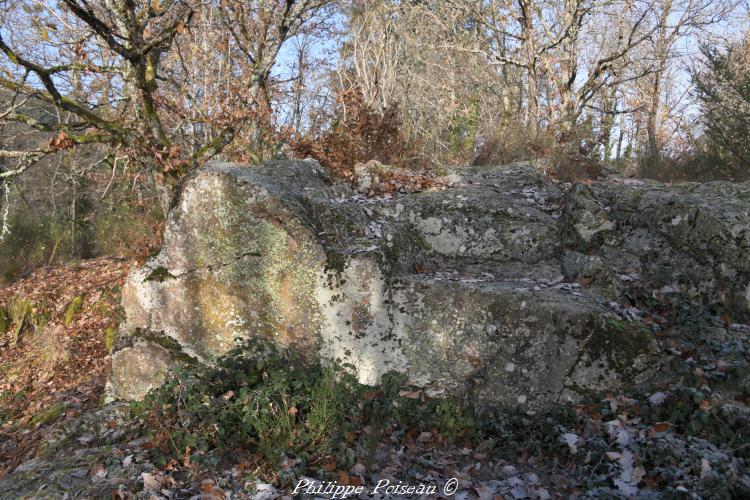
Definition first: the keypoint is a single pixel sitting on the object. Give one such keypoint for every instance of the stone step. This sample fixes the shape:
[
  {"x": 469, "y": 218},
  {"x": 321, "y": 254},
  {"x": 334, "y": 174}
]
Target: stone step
[{"x": 490, "y": 215}]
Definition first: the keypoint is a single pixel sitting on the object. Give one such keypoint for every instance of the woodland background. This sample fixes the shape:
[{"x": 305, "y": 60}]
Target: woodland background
[{"x": 105, "y": 105}]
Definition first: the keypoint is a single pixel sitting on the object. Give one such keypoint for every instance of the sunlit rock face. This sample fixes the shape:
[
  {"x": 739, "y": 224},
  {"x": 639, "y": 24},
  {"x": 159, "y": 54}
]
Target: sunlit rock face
[{"x": 504, "y": 287}]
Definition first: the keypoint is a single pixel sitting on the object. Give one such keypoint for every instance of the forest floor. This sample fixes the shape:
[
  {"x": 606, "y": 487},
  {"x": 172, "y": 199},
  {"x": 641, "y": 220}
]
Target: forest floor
[
  {"x": 686, "y": 436},
  {"x": 53, "y": 355},
  {"x": 54, "y": 362}
]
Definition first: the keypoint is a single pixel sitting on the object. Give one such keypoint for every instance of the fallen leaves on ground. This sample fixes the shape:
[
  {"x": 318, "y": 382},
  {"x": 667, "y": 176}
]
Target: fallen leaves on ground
[
  {"x": 55, "y": 370},
  {"x": 374, "y": 178}
]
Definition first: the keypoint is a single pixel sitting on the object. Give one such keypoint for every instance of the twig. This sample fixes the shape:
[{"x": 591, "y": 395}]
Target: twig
[
  {"x": 111, "y": 180},
  {"x": 604, "y": 454}
]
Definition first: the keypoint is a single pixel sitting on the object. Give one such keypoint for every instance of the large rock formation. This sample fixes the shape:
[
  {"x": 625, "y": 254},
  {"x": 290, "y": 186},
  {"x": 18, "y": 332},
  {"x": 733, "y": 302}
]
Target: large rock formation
[{"x": 505, "y": 287}]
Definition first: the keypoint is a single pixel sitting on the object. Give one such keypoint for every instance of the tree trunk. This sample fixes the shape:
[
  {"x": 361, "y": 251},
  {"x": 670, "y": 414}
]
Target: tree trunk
[
  {"x": 609, "y": 109},
  {"x": 73, "y": 217},
  {"x": 532, "y": 110},
  {"x": 654, "y": 148},
  {"x": 164, "y": 191}
]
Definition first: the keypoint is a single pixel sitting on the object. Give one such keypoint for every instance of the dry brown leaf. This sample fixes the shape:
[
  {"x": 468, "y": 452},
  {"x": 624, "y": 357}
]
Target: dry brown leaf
[
  {"x": 207, "y": 486},
  {"x": 370, "y": 395},
  {"x": 329, "y": 466},
  {"x": 410, "y": 394},
  {"x": 151, "y": 482},
  {"x": 344, "y": 477},
  {"x": 661, "y": 427}
]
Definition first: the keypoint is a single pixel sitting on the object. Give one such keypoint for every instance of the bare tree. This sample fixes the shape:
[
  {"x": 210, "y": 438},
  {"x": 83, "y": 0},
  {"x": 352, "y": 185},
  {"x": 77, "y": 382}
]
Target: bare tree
[
  {"x": 259, "y": 28},
  {"x": 173, "y": 81},
  {"x": 115, "y": 45},
  {"x": 677, "y": 20}
]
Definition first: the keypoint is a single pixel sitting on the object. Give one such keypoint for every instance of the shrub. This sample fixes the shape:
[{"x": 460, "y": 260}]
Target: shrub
[
  {"x": 512, "y": 143},
  {"x": 358, "y": 134},
  {"x": 723, "y": 88},
  {"x": 693, "y": 412},
  {"x": 125, "y": 230},
  {"x": 258, "y": 397},
  {"x": 573, "y": 168},
  {"x": 275, "y": 402},
  {"x": 698, "y": 165},
  {"x": 569, "y": 157},
  {"x": 34, "y": 241},
  {"x": 574, "y": 156}
]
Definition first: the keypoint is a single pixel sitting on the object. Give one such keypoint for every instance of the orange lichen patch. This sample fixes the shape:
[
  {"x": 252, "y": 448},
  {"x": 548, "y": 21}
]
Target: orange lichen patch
[{"x": 222, "y": 316}]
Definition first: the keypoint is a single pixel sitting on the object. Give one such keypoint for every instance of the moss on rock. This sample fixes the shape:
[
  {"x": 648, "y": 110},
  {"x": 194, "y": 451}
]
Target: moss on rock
[{"x": 110, "y": 338}]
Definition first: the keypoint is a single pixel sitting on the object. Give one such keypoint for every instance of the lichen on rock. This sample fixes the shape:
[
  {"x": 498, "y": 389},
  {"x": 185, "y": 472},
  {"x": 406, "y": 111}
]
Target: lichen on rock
[
  {"x": 139, "y": 368},
  {"x": 499, "y": 288}
]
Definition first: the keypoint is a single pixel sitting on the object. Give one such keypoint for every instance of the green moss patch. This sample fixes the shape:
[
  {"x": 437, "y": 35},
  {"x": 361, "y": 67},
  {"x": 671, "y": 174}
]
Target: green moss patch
[
  {"x": 48, "y": 415},
  {"x": 110, "y": 338},
  {"x": 73, "y": 308},
  {"x": 619, "y": 342},
  {"x": 19, "y": 311},
  {"x": 168, "y": 343},
  {"x": 4, "y": 320},
  {"x": 159, "y": 274}
]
